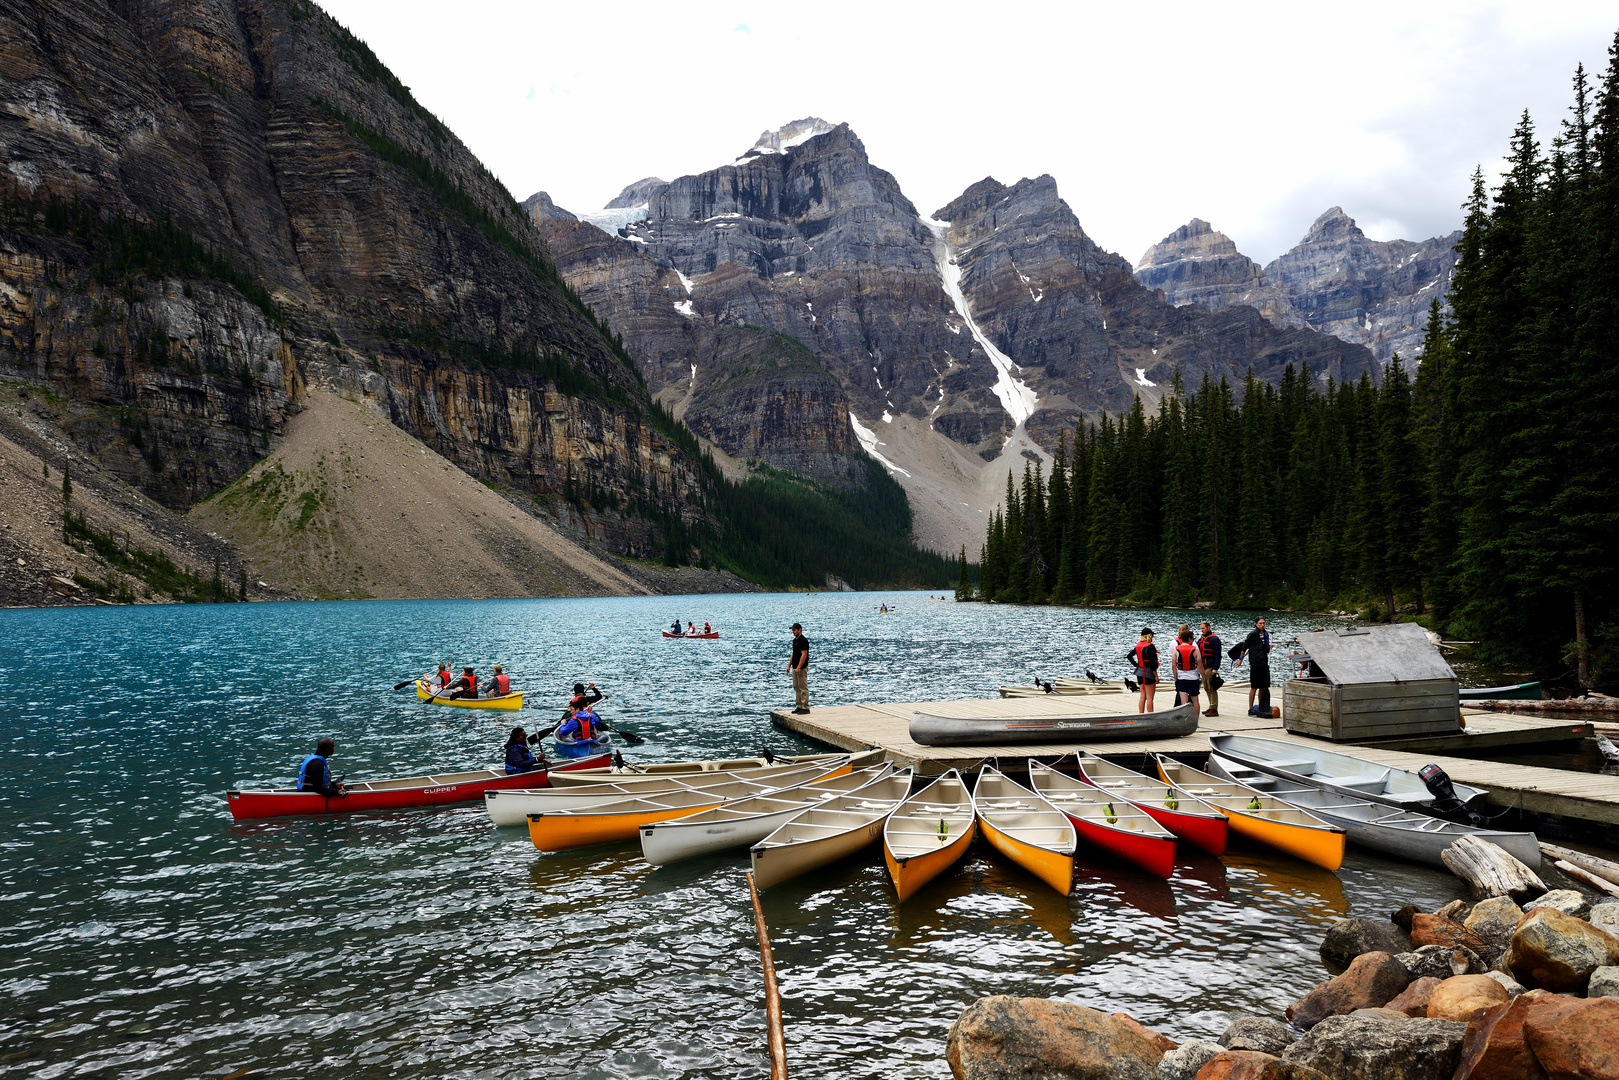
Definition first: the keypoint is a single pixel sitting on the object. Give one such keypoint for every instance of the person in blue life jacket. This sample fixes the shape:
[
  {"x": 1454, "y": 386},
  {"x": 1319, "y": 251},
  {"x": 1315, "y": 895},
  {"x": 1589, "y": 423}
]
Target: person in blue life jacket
[
  {"x": 582, "y": 724},
  {"x": 315, "y": 775},
  {"x": 519, "y": 758}
]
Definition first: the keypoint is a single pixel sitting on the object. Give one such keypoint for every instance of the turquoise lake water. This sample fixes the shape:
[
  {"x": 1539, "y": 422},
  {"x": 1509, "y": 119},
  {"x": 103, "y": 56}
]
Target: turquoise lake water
[{"x": 146, "y": 935}]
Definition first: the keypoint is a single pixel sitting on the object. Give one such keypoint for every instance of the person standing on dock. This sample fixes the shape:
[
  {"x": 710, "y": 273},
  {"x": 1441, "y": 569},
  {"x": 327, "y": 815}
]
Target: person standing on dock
[
  {"x": 1209, "y": 645},
  {"x": 1187, "y": 661},
  {"x": 1145, "y": 658},
  {"x": 798, "y": 667},
  {"x": 1256, "y": 650}
]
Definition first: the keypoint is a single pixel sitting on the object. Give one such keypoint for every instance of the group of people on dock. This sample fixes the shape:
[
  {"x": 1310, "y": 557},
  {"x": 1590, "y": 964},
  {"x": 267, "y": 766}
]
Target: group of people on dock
[{"x": 1196, "y": 666}]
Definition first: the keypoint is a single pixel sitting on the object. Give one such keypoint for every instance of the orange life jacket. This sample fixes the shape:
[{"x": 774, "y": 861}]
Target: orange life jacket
[
  {"x": 503, "y": 684},
  {"x": 587, "y": 720},
  {"x": 445, "y": 678},
  {"x": 1185, "y": 656}
]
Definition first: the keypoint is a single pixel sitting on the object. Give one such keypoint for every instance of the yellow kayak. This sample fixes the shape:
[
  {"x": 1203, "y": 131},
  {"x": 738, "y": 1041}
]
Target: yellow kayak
[{"x": 513, "y": 700}]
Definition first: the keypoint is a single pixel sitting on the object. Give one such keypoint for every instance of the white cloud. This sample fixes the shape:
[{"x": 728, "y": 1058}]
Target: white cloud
[{"x": 1256, "y": 118}]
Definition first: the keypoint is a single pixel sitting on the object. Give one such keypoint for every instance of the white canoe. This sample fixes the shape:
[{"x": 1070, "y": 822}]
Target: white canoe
[
  {"x": 616, "y": 774},
  {"x": 828, "y": 831},
  {"x": 516, "y": 804},
  {"x": 742, "y": 822},
  {"x": 621, "y": 820},
  {"x": 1336, "y": 772},
  {"x": 1026, "y": 828},
  {"x": 1392, "y": 830}
]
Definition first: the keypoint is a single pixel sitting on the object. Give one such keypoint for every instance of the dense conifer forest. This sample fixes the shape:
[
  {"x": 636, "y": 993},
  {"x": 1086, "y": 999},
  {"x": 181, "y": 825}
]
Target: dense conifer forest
[{"x": 1474, "y": 490}]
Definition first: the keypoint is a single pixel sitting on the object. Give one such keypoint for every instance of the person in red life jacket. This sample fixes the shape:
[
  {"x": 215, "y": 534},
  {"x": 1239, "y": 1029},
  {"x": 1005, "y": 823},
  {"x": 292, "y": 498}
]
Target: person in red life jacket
[
  {"x": 691, "y": 630},
  {"x": 441, "y": 681},
  {"x": 1145, "y": 658},
  {"x": 1187, "y": 660},
  {"x": 581, "y": 725},
  {"x": 466, "y": 686},
  {"x": 583, "y": 699},
  {"x": 707, "y": 629},
  {"x": 519, "y": 758},
  {"x": 499, "y": 684},
  {"x": 1209, "y": 645}
]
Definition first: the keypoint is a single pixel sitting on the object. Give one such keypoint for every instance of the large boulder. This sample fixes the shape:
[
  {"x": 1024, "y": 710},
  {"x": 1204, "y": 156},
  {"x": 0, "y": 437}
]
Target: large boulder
[
  {"x": 1437, "y": 930},
  {"x": 1253, "y": 1065},
  {"x": 1350, "y": 938},
  {"x": 1183, "y": 1062},
  {"x": 1371, "y": 980},
  {"x": 1568, "y": 901},
  {"x": 1013, "y": 1038},
  {"x": 1380, "y": 1045},
  {"x": 1558, "y": 952},
  {"x": 1573, "y": 1039},
  {"x": 1413, "y": 1000},
  {"x": 1495, "y": 1048},
  {"x": 1459, "y": 998},
  {"x": 1494, "y": 921},
  {"x": 1257, "y": 1033},
  {"x": 1442, "y": 961}
]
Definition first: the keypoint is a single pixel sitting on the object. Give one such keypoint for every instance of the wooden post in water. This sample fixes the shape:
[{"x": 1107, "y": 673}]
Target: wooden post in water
[{"x": 778, "y": 1040}]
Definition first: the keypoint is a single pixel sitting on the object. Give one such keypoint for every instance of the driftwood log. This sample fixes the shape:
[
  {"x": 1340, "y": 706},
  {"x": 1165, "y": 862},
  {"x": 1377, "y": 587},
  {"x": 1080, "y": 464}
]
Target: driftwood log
[
  {"x": 1490, "y": 871},
  {"x": 1590, "y": 879},
  {"x": 1601, "y": 868},
  {"x": 1565, "y": 705}
]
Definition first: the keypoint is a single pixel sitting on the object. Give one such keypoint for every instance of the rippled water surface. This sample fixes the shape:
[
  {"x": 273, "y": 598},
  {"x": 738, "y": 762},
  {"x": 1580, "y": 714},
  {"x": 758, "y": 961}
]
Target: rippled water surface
[{"x": 147, "y": 935}]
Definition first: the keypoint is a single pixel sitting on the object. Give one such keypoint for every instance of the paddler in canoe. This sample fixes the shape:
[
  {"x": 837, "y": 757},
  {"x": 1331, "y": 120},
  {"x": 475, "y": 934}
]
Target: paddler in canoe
[
  {"x": 519, "y": 758},
  {"x": 315, "y": 774},
  {"x": 466, "y": 686}
]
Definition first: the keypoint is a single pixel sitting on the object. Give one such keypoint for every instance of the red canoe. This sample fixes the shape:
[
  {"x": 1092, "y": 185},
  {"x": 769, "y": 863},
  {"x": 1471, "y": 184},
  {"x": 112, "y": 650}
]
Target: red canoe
[
  {"x": 1114, "y": 825},
  {"x": 403, "y": 793},
  {"x": 1188, "y": 818},
  {"x": 689, "y": 637}
]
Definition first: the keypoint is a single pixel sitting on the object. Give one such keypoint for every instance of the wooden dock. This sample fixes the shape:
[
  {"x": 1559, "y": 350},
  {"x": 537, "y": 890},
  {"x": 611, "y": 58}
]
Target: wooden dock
[{"x": 1585, "y": 796}]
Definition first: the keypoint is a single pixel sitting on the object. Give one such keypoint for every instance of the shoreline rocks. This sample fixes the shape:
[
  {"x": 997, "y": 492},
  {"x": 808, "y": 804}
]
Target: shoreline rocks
[{"x": 1547, "y": 1009}]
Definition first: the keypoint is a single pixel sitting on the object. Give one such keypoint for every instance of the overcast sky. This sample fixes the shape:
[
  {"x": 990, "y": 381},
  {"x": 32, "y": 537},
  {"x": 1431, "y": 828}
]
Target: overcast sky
[{"x": 1254, "y": 117}]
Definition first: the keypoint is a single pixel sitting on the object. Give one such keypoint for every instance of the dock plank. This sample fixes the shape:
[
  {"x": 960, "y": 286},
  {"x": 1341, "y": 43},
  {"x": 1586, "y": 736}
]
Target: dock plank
[{"x": 1586, "y": 796}]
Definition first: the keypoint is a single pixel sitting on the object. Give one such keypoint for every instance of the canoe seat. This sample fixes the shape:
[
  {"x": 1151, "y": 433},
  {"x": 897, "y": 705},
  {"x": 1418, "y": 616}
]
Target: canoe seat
[
  {"x": 1305, "y": 766},
  {"x": 1113, "y": 783}
]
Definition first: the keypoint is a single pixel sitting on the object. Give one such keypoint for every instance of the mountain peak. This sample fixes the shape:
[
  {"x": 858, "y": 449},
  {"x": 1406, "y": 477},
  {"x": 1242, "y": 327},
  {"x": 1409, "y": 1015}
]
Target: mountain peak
[
  {"x": 1332, "y": 225},
  {"x": 791, "y": 134},
  {"x": 1196, "y": 239}
]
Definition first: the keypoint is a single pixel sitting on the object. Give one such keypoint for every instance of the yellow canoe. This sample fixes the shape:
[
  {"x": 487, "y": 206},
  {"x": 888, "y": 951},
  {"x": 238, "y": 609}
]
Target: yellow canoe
[
  {"x": 1026, "y": 828},
  {"x": 1260, "y": 817},
  {"x": 927, "y": 833},
  {"x": 513, "y": 700}
]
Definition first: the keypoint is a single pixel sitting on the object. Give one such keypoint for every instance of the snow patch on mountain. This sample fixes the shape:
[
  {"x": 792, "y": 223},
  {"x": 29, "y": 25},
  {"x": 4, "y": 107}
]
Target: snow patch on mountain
[
  {"x": 1017, "y": 399},
  {"x": 869, "y": 443}
]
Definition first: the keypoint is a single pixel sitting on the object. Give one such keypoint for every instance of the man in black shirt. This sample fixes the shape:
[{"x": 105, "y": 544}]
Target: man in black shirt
[
  {"x": 798, "y": 667},
  {"x": 1256, "y": 650}
]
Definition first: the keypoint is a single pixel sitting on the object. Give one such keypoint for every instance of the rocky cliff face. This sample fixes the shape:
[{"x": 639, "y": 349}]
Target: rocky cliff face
[
  {"x": 1083, "y": 331},
  {"x": 210, "y": 206},
  {"x": 1369, "y": 292}
]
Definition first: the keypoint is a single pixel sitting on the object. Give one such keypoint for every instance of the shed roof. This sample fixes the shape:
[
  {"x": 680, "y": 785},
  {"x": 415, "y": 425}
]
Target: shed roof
[{"x": 1400, "y": 652}]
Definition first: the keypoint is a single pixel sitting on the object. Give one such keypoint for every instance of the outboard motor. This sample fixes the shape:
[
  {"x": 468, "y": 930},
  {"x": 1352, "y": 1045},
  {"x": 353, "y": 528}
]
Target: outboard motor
[{"x": 1445, "y": 802}]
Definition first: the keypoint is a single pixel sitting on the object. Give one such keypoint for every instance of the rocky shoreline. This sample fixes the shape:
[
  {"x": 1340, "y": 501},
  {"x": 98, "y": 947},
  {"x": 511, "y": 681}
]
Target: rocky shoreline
[{"x": 1473, "y": 991}]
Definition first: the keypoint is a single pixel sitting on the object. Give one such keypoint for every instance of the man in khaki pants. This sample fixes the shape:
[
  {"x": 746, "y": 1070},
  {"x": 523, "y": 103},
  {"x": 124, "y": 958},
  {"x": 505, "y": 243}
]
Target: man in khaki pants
[
  {"x": 1209, "y": 645},
  {"x": 798, "y": 666}
]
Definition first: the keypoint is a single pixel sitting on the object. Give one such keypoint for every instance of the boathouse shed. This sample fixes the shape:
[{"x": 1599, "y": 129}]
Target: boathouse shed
[{"x": 1363, "y": 683}]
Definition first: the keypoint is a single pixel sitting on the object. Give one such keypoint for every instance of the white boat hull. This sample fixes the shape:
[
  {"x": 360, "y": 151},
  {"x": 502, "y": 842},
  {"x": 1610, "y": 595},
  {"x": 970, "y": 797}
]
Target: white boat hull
[{"x": 671, "y": 841}]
